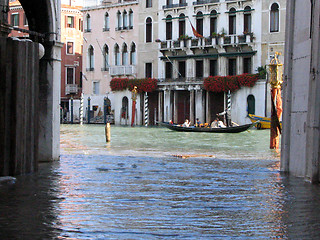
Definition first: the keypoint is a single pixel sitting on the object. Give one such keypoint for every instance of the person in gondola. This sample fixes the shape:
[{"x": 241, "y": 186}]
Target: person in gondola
[
  {"x": 186, "y": 123},
  {"x": 198, "y": 123},
  {"x": 214, "y": 124},
  {"x": 227, "y": 116}
]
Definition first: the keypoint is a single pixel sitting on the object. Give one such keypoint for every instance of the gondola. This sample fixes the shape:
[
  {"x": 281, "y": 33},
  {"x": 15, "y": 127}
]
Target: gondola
[
  {"x": 264, "y": 122},
  {"x": 233, "y": 129}
]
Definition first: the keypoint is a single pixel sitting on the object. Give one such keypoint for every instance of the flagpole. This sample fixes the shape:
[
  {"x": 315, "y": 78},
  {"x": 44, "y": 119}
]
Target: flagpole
[{"x": 174, "y": 66}]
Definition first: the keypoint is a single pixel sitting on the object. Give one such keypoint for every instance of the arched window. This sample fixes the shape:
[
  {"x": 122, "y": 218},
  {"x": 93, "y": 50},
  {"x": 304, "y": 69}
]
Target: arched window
[
  {"x": 130, "y": 19},
  {"x": 247, "y": 20},
  {"x": 274, "y": 18},
  {"x": 119, "y": 20},
  {"x": 124, "y": 54},
  {"x": 251, "y": 104},
  {"x": 88, "y": 23},
  {"x": 133, "y": 54},
  {"x": 232, "y": 21},
  {"x": 213, "y": 22},
  {"x": 169, "y": 27},
  {"x": 182, "y": 25},
  {"x": 116, "y": 55},
  {"x": 106, "y": 22},
  {"x": 148, "y": 29},
  {"x": 105, "y": 57},
  {"x": 90, "y": 58},
  {"x": 199, "y": 23},
  {"x": 125, "y": 20},
  {"x": 124, "y": 108}
]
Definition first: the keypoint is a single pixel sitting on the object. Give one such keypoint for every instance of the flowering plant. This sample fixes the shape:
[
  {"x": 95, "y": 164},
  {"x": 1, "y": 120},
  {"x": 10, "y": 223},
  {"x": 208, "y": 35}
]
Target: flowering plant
[
  {"x": 229, "y": 83},
  {"x": 143, "y": 84}
]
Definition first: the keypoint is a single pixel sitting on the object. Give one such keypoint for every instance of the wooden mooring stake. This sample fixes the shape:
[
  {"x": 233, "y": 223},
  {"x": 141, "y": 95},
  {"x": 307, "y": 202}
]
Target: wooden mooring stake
[{"x": 107, "y": 131}]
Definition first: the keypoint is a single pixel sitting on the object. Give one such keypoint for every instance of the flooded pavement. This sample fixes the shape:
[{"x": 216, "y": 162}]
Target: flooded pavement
[{"x": 137, "y": 188}]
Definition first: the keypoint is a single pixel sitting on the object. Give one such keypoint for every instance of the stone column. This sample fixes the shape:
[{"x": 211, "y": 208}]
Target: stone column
[
  {"x": 175, "y": 106},
  {"x": 200, "y": 105},
  {"x": 4, "y": 9},
  {"x": 192, "y": 103},
  {"x": 208, "y": 113},
  {"x": 160, "y": 106},
  {"x": 49, "y": 99}
]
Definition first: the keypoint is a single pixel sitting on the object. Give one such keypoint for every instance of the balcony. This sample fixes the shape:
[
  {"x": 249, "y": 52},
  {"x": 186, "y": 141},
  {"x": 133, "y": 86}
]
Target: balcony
[
  {"x": 71, "y": 89},
  {"x": 122, "y": 70},
  {"x": 218, "y": 41},
  {"x": 175, "y": 5},
  {"x": 200, "y": 2}
]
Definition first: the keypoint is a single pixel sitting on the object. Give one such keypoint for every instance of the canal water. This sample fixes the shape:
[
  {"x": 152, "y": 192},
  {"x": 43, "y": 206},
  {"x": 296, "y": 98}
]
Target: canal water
[{"x": 153, "y": 183}]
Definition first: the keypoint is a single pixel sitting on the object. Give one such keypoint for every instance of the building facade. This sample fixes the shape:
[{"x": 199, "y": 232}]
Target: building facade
[
  {"x": 110, "y": 51},
  {"x": 180, "y": 43}
]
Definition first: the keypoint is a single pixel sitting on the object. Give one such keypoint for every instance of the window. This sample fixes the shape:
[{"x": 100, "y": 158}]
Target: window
[
  {"x": 119, "y": 20},
  {"x": 199, "y": 23},
  {"x": 199, "y": 69},
  {"x": 80, "y": 25},
  {"x": 274, "y": 18},
  {"x": 232, "y": 69},
  {"x": 70, "y": 21},
  {"x": 116, "y": 55},
  {"x": 169, "y": 27},
  {"x": 168, "y": 70},
  {"x": 169, "y": 2},
  {"x": 25, "y": 20},
  {"x": 182, "y": 69},
  {"x": 247, "y": 19},
  {"x": 182, "y": 25},
  {"x": 213, "y": 22},
  {"x": 232, "y": 21},
  {"x": 106, "y": 22},
  {"x": 148, "y": 3},
  {"x": 88, "y": 23},
  {"x": 15, "y": 19},
  {"x": 125, "y": 20},
  {"x": 96, "y": 86},
  {"x": 124, "y": 54},
  {"x": 247, "y": 65},
  {"x": 251, "y": 104},
  {"x": 90, "y": 58},
  {"x": 148, "y": 29},
  {"x": 70, "y": 48},
  {"x": 130, "y": 19},
  {"x": 70, "y": 75},
  {"x": 148, "y": 73},
  {"x": 105, "y": 57},
  {"x": 213, "y": 67},
  {"x": 133, "y": 54}
]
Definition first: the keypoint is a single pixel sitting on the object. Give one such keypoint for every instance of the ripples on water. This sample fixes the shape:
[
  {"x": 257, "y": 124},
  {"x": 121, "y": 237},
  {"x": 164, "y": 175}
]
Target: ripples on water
[{"x": 134, "y": 188}]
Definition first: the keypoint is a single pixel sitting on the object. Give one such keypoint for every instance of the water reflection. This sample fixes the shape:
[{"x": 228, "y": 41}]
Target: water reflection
[{"x": 134, "y": 188}]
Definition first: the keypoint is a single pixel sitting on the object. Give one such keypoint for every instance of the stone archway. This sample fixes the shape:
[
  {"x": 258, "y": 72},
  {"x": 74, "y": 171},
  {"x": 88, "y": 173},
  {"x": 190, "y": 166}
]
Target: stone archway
[{"x": 42, "y": 101}]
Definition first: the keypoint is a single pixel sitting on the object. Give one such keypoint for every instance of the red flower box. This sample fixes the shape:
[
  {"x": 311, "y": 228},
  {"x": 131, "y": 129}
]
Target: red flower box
[
  {"x": 229, "y": 83},
  {"x": 143, "y": 85}
]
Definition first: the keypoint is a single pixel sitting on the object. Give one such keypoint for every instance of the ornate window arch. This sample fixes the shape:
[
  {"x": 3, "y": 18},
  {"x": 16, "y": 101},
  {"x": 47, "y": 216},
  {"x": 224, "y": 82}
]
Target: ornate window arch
[{"x": 274, "y": 18}]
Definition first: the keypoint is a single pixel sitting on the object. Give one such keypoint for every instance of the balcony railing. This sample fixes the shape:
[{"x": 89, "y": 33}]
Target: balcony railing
[
  {"x": 199, "y": 2},
  {"x": 90, "y": 69},
  {"x": 181, "y": 79},
  {"x": 175, "y": 5},
  {"x": 211, "y": 41},
  {"x": 106, "y": 29},
  {"x": 71, "y": 88},
  {"x": 122, "y": 70}
]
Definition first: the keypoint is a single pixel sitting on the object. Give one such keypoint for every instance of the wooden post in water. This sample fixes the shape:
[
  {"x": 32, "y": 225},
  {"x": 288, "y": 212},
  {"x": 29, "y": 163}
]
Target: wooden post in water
[{"x": 107, "y": 131}]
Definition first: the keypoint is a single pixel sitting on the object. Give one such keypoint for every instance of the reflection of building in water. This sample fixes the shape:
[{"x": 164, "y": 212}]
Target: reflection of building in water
[{"x": 301, "y": 118}]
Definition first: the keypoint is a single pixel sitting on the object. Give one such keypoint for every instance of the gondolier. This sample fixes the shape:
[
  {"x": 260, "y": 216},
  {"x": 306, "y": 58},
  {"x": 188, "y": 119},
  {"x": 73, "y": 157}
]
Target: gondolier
[{"x": 226, "y": 113}]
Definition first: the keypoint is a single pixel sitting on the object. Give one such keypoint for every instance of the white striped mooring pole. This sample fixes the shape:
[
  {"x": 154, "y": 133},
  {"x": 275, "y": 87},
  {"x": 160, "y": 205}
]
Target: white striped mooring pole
[
  {"x": 229, "y": 101},
  {"x": 81, "y": 109},
  {"x": 146, "y": 110}
]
